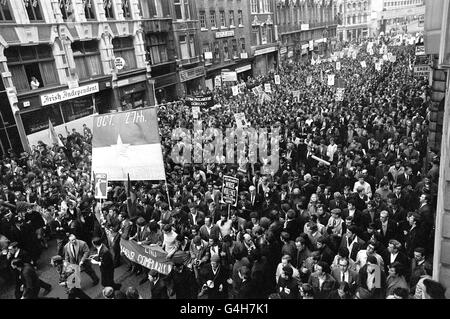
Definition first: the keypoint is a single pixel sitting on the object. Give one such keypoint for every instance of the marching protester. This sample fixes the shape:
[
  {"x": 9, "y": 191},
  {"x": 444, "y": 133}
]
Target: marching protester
[{"x": 348, "y": 213}]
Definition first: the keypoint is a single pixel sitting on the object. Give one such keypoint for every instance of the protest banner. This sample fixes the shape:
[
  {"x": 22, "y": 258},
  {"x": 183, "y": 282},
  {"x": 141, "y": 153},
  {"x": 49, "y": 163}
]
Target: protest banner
[
  {"x": 309, "y": 80},
  {"x": 201, "y": 100},
  {"x": 296, "y": 95},
  {"x": 267, "y": 88},
  {"x": 378, "y": 67},
  {"x": 195, "y": 112},
  {"x": 255, "y": 90},
  {"x": 338, "y": 66},
  {"x": 127, "y": 145},
  {"x": 229, "y": 76},
  {"x": 311, "y": 45},
  {"x": 363, "y": 64},
  {"x": 277, "y": 79},
  {"x": 148, "y": 256},
  {"x": 218, "y": 81},
  {"x": 230, "y": 190},
  {"x": 242, "y": 87},
  {"x": 100, "y": 185},
  {"x": 241, "y": 121},
  {"x": 331, "y": 79},
  {"x": 340, "y": 94},
  {"x": 235, "y": 90}
]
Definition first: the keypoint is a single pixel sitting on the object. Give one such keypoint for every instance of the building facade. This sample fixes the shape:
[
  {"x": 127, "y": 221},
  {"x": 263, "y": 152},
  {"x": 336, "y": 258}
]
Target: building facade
[
  {"x": 396, "y": 15},
  {"x": 301, "y": 21},
  {"x": 160, "y": 48},
  {"x": 263, "y": 35},
  {"x": 189, "y": 60},
  {"x": 65, "y": 60},
  {"x": 224, "y": 37},
  {"x": 355, "y": 19}
]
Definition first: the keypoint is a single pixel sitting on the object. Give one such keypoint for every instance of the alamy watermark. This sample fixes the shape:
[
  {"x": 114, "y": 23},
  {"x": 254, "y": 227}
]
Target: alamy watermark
[{"x": 240, "y": 145}]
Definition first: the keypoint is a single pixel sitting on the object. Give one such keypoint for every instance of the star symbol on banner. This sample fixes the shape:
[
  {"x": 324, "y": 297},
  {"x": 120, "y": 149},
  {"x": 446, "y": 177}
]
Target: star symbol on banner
[{"x": 121, "y": 148}]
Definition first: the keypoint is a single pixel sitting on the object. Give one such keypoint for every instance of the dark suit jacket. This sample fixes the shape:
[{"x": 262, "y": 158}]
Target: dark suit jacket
[
  {"x": 377, "y": 293},
  {"x": 357, "y": 246},
  {"x": 391, "y": 231},
  {"x": 246, "y": 290},
  {"x": 401, "y": 179},
  {"x": 159, "y": 290},
  {"x": 106, "y": 267},
  {"x": 334, "y": 204},
  {"x": 328, "y": 285},
  {"x": 353, "y": 276},
  {"x": 401, "y": 258},
  {"x": 220, "y": 278},
  {"x": 30, "y": 281},
  {"x": 203, "y": 232}
]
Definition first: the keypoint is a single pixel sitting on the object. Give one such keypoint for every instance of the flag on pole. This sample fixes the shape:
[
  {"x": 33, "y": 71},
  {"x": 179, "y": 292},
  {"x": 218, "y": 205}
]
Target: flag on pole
[{"x": 52, "y": 134}]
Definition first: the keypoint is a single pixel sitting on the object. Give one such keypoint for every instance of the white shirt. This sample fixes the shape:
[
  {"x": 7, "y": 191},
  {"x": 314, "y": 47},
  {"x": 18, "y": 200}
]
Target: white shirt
[{"x": 393, "y": 256}]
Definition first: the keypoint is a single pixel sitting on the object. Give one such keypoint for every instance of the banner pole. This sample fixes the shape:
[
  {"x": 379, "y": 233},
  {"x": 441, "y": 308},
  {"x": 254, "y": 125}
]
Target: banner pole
[
  {"x": 229, "y": 211},
  {"x": 168, "y": 196}
]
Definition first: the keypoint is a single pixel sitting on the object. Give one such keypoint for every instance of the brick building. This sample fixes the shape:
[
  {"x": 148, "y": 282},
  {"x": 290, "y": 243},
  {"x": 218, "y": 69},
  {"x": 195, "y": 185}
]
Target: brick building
[
  {"x": 88, "y": 56},
  {"x": 224, "y": 37},
  {"x": 301, "y": 21}
]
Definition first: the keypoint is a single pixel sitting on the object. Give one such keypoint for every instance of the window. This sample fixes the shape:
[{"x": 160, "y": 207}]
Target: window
[
  {"x": 266, "y": 5},
  {"x": 263, "y": 35},
  {"x": 184, "y": 49},
  {"x": 5, "y": 11},
  {"x": 202, "y": 18},
  {"x": 222, "y": 19},
  {"x": 156, "y": 47},
  {"x": 216, "y": 51},
  {"x": 235, "y": 49},
  {"x": 231, "y": 15},
  {"x": 31, "y": 61},
  {"x": 182, "y": 11},
  {"x": 212, "y": 18},
  {"x": 87, "y": 59},
  {"x": 151, "y": 8},
  {"x": 66, "y": 8},
  {"x": 192, "y": 45},
  {"x": 240, "y": 21},
  {"x": 88, "y": 9},
  {"x": 254, "y": 6},
  {"x": 354, "y": 19},
  {"x": 126, "y": 9},
  {"x": 269, "y": 34},
  {"x": 226, "y": 55},
  {"x": 124, "y": 48},
  {"x": 256, "y": 40},
  {"x": 108, "y": 6},
  {"x": 242, "y": 42},
  {"x": 33, "y": 10}
]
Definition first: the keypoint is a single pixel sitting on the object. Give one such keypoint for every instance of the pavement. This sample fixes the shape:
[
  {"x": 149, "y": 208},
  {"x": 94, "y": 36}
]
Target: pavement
[{"x": 49, "y": 274}]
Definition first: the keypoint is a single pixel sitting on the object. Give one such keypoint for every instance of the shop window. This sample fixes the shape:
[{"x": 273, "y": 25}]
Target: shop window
[
  {"x": 87, "y": 59},
  {"x": 192, "y": 45},
  {"x": 269, "y": 34},
  {"x": 264, "y": 35},
  {"x": 31, "y": 61},
  {"x": 37, "y": 120},
  {"x": 66, "y": 8},
  {"x": 88, "y": 9},
  {"x": 242, "y": 41},
  {"x": 157, "y": 48},
  {"x": 124, "y": 47},
  {"x": 126, "y": 9},
  {"x": 77, "y": 108},
  {"x": 5, "y": 11},
  {"x": 108, "y": 6},
  {"x": 33, "y": 10}
]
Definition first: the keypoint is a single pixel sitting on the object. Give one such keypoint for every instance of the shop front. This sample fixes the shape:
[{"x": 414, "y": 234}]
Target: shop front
[
  {"x": 244, "y": 72},
  {"x": 67, "y": 109},
  {"x": 265, "y": 60},
  {"x": 192, "y": 80},
  {"x": 166, "y": 88},
  {"x": 132, "y": 92}
]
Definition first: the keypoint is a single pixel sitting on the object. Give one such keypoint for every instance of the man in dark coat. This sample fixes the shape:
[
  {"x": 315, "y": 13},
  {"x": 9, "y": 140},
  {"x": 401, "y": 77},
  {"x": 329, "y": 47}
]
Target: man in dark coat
[
  {"x": 246, "y": 289},
  {"x": 215, "y": 279},
  {"x": 182, "y": 282},
  {"x": 158, "y": 287},
  {"x": 104, "y": 259},
  {"x": 28, "y": 278}
]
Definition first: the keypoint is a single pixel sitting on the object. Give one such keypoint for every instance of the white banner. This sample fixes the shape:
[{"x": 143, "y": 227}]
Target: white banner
[
  {"x": 363, "y": 64},
  {"x": 331, "y": 79},
  {"x": 267, "y": 88},
  {"x": 338, "y": 66},
  {"x": 235, "y": 90},
  {"x": 241, "y": 121},
  {"x": 277, "y": 79}
]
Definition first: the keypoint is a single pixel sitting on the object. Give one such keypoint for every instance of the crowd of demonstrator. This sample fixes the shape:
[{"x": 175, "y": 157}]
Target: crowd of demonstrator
[{"x": 361, "y": 227}]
